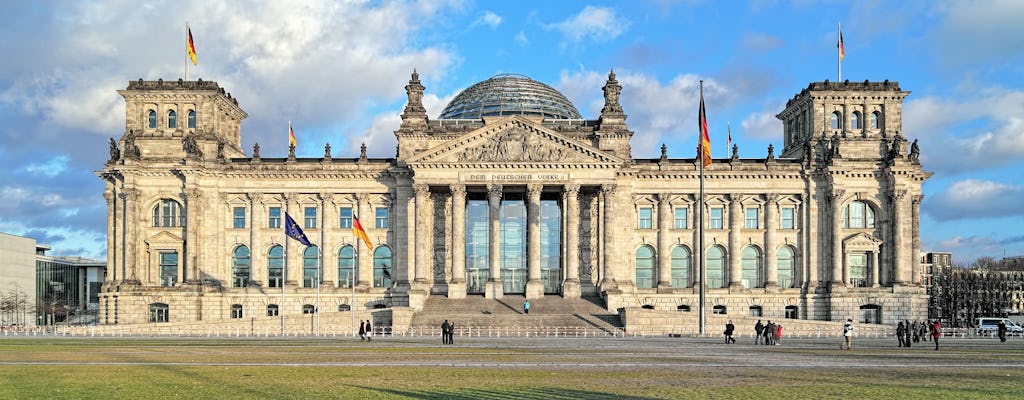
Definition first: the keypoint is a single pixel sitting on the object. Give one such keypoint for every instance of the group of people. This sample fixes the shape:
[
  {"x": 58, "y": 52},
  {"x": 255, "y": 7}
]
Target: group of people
[
  {"x": 447, "y": 332},
  {"x": 768, "y": 334},
  {"x": 912, "y": 332},
  {"x": 365, "y": 330}
]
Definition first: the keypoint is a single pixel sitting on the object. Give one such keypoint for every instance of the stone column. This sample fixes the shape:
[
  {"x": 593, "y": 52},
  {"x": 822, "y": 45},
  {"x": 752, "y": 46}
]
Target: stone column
[
  {"x": 110, "y": 196},
  {"x": 403, "y": 229},
  {"x": 735, "y": 253},
  {"x": 131, "y": 216},
  {"x": 457, "y": 287},
  {"x": 423, "y": 234},
  {"x": 875, "y": 281},
  {"x": 915, "y": 246},
  {"x": 324, "y": 275},
  {"x": 840, "y": 271},
  {"x": 364, "y": 255},
  {"x": 664, "y": 241},
  {"x": 899, "y": 225},
  {"x": 494, "y": 288},
  {"x": 609, "y": 279},
  {"x": 292, "y": 248},
  {"x": 771, "y": 227},
  {"x": 571, "y": 287},
  {"x": 534, "y": 286}
]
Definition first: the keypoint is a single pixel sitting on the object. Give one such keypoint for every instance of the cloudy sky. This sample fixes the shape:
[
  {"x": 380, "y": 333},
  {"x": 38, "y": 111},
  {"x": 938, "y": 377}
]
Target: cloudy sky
[{"x": 337, "y": 71}]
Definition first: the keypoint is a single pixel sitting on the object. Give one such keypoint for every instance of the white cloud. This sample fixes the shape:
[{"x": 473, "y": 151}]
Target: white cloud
[
  {"x": 521, "y": 39},
  {"x": 971, "y": 198},
  {"x": 762, "y": 125},
  {"x": 50, "y": 168},
  {"x": 489, "y": 18},
  {"x": 972, "y": 32},
  {"x": 599, "y": 24}
]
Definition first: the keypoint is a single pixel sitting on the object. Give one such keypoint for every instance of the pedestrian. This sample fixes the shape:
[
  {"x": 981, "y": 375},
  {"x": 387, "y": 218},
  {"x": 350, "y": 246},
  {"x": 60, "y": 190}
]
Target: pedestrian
[
  {"x": 908, "y": 331},
  {"x": 758, "y": 329},
  {"x": 1002, "y": 331},
  {"x": 917, "y": 331},
  {"x": 900, "y": 331},
  {"x": 451, "y": 332},
  {"x": 936, "y": 333},
  {"x": 769, "y": 333},
  {"x": 778, "y": 334},
  {"x": 847, "y": 335},
  {"x": 362, "y": 331},
  {"x": 444, "y": 332},
  {"x": 729, "y": 327},
  {"x": 369, "y": 331},
  {"x": 526, "y": 307}
]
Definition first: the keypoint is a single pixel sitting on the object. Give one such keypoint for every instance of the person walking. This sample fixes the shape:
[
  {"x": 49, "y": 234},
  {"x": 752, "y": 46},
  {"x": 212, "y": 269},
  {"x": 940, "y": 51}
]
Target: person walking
[
  {"x": 768, "y": 329},
  {"x": 758, "y": 329},
  {"x": 444, "y": 332},
  {"x": 936, "y": 333},
  {"x": 900, "y": 331},
  {"x": 1002, "y": 331},
  {"x": 362, "y": 331},
  {"x": 451, "y": 332},
  {"x": 729, "y": 328},
  {"x": 847, "y": 335},
  {"x": 526, "y": 307},
  {"x": 778, "y": 334},
  {"x": 369, "y": 331},
  {"x": 908, "y": 331}
]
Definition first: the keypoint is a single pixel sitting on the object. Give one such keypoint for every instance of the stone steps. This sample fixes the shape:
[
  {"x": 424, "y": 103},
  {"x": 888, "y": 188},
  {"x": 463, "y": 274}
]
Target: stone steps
[{"x": 546, "y": 314}]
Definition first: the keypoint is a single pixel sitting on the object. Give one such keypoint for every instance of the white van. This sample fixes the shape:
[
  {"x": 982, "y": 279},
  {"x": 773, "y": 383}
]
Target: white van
[{"x": 991, "y": 326}]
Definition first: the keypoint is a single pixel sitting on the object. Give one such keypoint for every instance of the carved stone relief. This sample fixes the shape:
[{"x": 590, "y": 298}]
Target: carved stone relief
[
  {"x": 588, "y": 215},
  {"x": 440, "y": 242},
  {"x": 518, "y": 144}
]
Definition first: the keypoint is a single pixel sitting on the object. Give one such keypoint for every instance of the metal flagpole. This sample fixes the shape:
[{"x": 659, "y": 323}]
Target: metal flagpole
[
  {"x": 284, "y": 274},
  {"x": 186, "y": 51},
  {"x": 700, "y": 227},
  {"x": 840, "y": 49}
]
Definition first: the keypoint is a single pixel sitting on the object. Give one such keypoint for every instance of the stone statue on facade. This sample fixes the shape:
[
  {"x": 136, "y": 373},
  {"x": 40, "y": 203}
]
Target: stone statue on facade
[
  {"x": 611, "y": 95},
  {"x": 291, "y": 152},
  {"x": 771, "y": 151},
  {"x": 835, "y": 145},
  {"x": 189, "y": 145},
  {"x": 735, "y": 152},
  {"x": 256, "y": 151},
  {"x": 915, "y": 152},
  {"x": 115, "y": 153},
  {"x": 327, "y": 151},
  {"x": 362, "y": 152},
  {"x": 220, "y": 151}
]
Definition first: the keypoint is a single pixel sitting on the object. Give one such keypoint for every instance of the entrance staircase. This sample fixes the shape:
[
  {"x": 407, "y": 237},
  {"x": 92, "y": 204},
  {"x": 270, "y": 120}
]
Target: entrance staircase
[{"x": 549, "y": 316}]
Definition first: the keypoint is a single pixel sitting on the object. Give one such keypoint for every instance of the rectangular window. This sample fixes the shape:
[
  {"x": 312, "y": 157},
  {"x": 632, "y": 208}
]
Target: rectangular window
[
  {"x": 787, "y": 221},
  {"x": 239, "y": 217},
  {"x": 645, "y": 216},
  {"x": 345, "y": 214},
  {"x": 274, "y": 217},
  {"x": 310, "y": 213},
  {"x": 680, "y": 217},
  {"x": 381, "y": 217},
  {"x": 168, "y": 268},
  {"x": 751, "y": 218},
  {"x": 716, "y": 220}
]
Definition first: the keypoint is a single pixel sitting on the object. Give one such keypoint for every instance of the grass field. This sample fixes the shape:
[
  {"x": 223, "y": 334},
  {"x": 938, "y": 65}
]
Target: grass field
[{"x": 510, "y": 368}]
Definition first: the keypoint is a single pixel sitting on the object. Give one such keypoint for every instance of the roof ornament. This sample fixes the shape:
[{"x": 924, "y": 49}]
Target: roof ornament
[
  {"x": 611, "y": 95},
  {"x": 362, "y": 153}
]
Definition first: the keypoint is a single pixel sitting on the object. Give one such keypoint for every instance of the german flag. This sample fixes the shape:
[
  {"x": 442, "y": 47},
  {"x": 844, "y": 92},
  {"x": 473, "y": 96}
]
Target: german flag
[
  {"x": 357, "y": 229},
  {"x": 705, "y": 141},
  {"x": 190, "y": 47}
]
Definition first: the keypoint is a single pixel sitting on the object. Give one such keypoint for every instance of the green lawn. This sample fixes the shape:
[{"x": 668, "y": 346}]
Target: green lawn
[{"x": 482, "y": 369}]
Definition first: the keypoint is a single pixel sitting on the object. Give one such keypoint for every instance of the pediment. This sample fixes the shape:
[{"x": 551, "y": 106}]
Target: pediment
[
  {"x": 514, "y": 141},
  {"x": 861, "y": 241},
  {"x": 164, "y": 239}
]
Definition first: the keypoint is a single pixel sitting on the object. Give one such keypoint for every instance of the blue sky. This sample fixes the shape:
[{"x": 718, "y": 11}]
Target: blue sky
[{"x": 337, "y": 71}]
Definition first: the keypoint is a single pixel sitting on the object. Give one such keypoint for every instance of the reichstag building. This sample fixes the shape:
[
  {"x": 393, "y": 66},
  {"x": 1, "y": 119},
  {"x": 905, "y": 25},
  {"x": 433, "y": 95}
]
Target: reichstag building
[{"x": 510, "y": 191}]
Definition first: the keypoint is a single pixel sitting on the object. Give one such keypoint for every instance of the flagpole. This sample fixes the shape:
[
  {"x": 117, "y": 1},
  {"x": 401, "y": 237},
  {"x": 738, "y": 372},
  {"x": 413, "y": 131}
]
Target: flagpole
[
  {"x": 186, "y": 51},
  {"x": 284, "y": 275},
  {"x": 839, "y": 49},
  {"x": 700, "y": 229}
]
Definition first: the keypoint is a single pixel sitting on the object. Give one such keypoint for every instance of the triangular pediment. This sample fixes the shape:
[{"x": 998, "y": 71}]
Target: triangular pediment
[
  {"x": 861, "y": 241},
  {"x": 514, "y": 141},
  {"x": 164, "y": 238}
]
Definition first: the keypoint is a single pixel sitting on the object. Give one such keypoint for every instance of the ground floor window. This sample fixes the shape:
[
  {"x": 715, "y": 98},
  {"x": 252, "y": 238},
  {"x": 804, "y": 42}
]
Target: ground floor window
[
  {"x": 792, "y": 312},
  {"x": 344, "y": 307},
  {"x": 719, "y": 310},
  {"x": 272, "y": 310},
  {"x": 871, "y": 314},
  {"x": 755, "y": 311},
  {"x": 236, "y": 311},
  {"x": 159, "y": 312},
  {"x": 308, "y": 309}
]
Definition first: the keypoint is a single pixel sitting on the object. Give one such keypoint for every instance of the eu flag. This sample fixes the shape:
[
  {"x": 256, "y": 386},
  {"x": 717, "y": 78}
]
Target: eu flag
[{"x": 293, "y": 231}]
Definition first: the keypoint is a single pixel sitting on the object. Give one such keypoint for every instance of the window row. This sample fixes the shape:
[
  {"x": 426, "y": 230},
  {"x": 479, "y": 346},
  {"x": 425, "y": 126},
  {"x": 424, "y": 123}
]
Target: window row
[
  {"x": 716, "y": 218},
  {"x": 172, "y": 119},
  {"x": 309, "y": 217},
  {"x": 312, "y": 267},
  {"x": 682, "y": 267},
  {"x": 161, "y": 312},
  {"x": 856, "y": 121}
]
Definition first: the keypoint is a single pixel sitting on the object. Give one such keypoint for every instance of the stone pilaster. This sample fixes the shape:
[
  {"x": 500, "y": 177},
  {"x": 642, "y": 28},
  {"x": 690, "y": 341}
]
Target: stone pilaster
[
  {"x": 131, "y": 216},
  {"x": 609, "y": 279},
  {"x": 494, "y": 288},
  {"x": 457, "y": 286},
  {"x": 899, "y": 224},
  {"x": 110, "y": 196},
  {"x": 364, "y": 255},
  {"x": 423, "y": 232},
  {"x": 771, "y": 259},
  {"x": 915, "y": 246},
  {"x": 664, "y": 242},
  {"x": 840, "y": 271},
  {"x": 534, "y": 286},
  {"x": 571, "y": 287},
  {"x": 735, "y": 259}
]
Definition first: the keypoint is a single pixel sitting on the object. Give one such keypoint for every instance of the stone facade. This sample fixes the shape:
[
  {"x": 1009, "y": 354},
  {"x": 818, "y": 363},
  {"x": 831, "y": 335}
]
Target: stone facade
[{"x": 827, "y": 231}]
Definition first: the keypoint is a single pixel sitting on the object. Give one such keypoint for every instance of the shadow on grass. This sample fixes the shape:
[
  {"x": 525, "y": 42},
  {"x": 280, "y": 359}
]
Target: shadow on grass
[{"x": 532, "y": 393}]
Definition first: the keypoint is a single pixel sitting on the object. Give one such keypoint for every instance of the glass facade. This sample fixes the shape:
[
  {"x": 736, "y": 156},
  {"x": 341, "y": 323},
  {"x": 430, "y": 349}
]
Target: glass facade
[
  {"x": 476, "y": 243},
  {"x": 550, "y": 242},
  {"x": 513, "y": 243},
  {"x": 58, "y": 292}
]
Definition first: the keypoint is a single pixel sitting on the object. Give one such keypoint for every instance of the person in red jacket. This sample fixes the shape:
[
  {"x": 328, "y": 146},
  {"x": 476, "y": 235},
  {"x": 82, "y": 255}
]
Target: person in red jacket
[
  {"x": 936, "y": 333},
  {"x": 778, "y": 334}
]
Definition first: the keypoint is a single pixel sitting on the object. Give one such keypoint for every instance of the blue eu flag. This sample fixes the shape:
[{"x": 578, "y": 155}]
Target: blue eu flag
[{"x": 293, "y": 231}]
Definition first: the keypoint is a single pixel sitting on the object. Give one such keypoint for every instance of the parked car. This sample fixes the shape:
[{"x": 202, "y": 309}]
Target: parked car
[{"x": 991, "y": 326}]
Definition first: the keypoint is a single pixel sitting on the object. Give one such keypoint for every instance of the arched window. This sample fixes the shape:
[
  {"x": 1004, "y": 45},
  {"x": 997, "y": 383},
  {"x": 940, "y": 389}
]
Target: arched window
[
  {"x": 310, "y": 257},
  {"x": 172, "y": 119},
  {"x": 752, "y": 267},
  {"x": 346, "y": 266},
  {"x": 876, "y": 120},
  {"x": 236, "y": 311},
  {"x": 272, "y": 310},
  {"x": 855, "y": 120},
  {"x": 168, "y": 214},
  {"x": 787, "y": 266},
  {"x": 837, "y": 119},
  {"x": 240, "y": 266},
  {"x": 191, "y": 119},
  {"x": 152, "y": 119},
  {"x": 645, "y": 267},
  {"x": 275, "y": 266},
  {"x": 858, "y": 214},
  {"x": 159, "y": 312},
  {"x": 382, "y": 267},
  {"x": 716, "y": 267},
  {"x": 680, "y": 267}
]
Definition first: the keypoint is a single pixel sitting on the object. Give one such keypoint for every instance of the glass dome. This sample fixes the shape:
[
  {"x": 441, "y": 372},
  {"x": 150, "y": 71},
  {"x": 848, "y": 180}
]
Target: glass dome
[{"x": 509, "y": 94}]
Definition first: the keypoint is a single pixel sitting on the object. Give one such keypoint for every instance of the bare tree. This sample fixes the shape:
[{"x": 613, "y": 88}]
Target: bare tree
[{"x": 961, "y": 294}]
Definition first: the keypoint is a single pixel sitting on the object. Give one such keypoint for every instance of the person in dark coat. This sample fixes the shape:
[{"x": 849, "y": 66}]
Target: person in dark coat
[
  {"x": 758, "y": 329},
  {"x": 900, "y": 332},
  {"x": 908, "y": 331},
  {"x": 451, "y": 332},
  {"x": 444, "y": 332},
  {"x": 729, "y": 328},
  {"x": 369, "y": 331},
  {"x": 362, "y": 330},
  {"x": 1002, "y": 331}
]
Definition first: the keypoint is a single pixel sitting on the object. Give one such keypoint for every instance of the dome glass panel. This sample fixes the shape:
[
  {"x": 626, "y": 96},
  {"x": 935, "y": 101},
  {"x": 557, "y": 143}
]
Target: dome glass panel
[{"x": 509, "y": 94}]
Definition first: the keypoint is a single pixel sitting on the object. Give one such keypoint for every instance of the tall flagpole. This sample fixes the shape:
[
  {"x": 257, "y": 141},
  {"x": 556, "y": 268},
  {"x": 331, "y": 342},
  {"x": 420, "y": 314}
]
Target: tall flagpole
[
  {"x": 840, "y": 49},
  {"x": 186, "y": 51},
  {"x": 284, "y": 275},
  {"x": 700, "y": 221}
]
